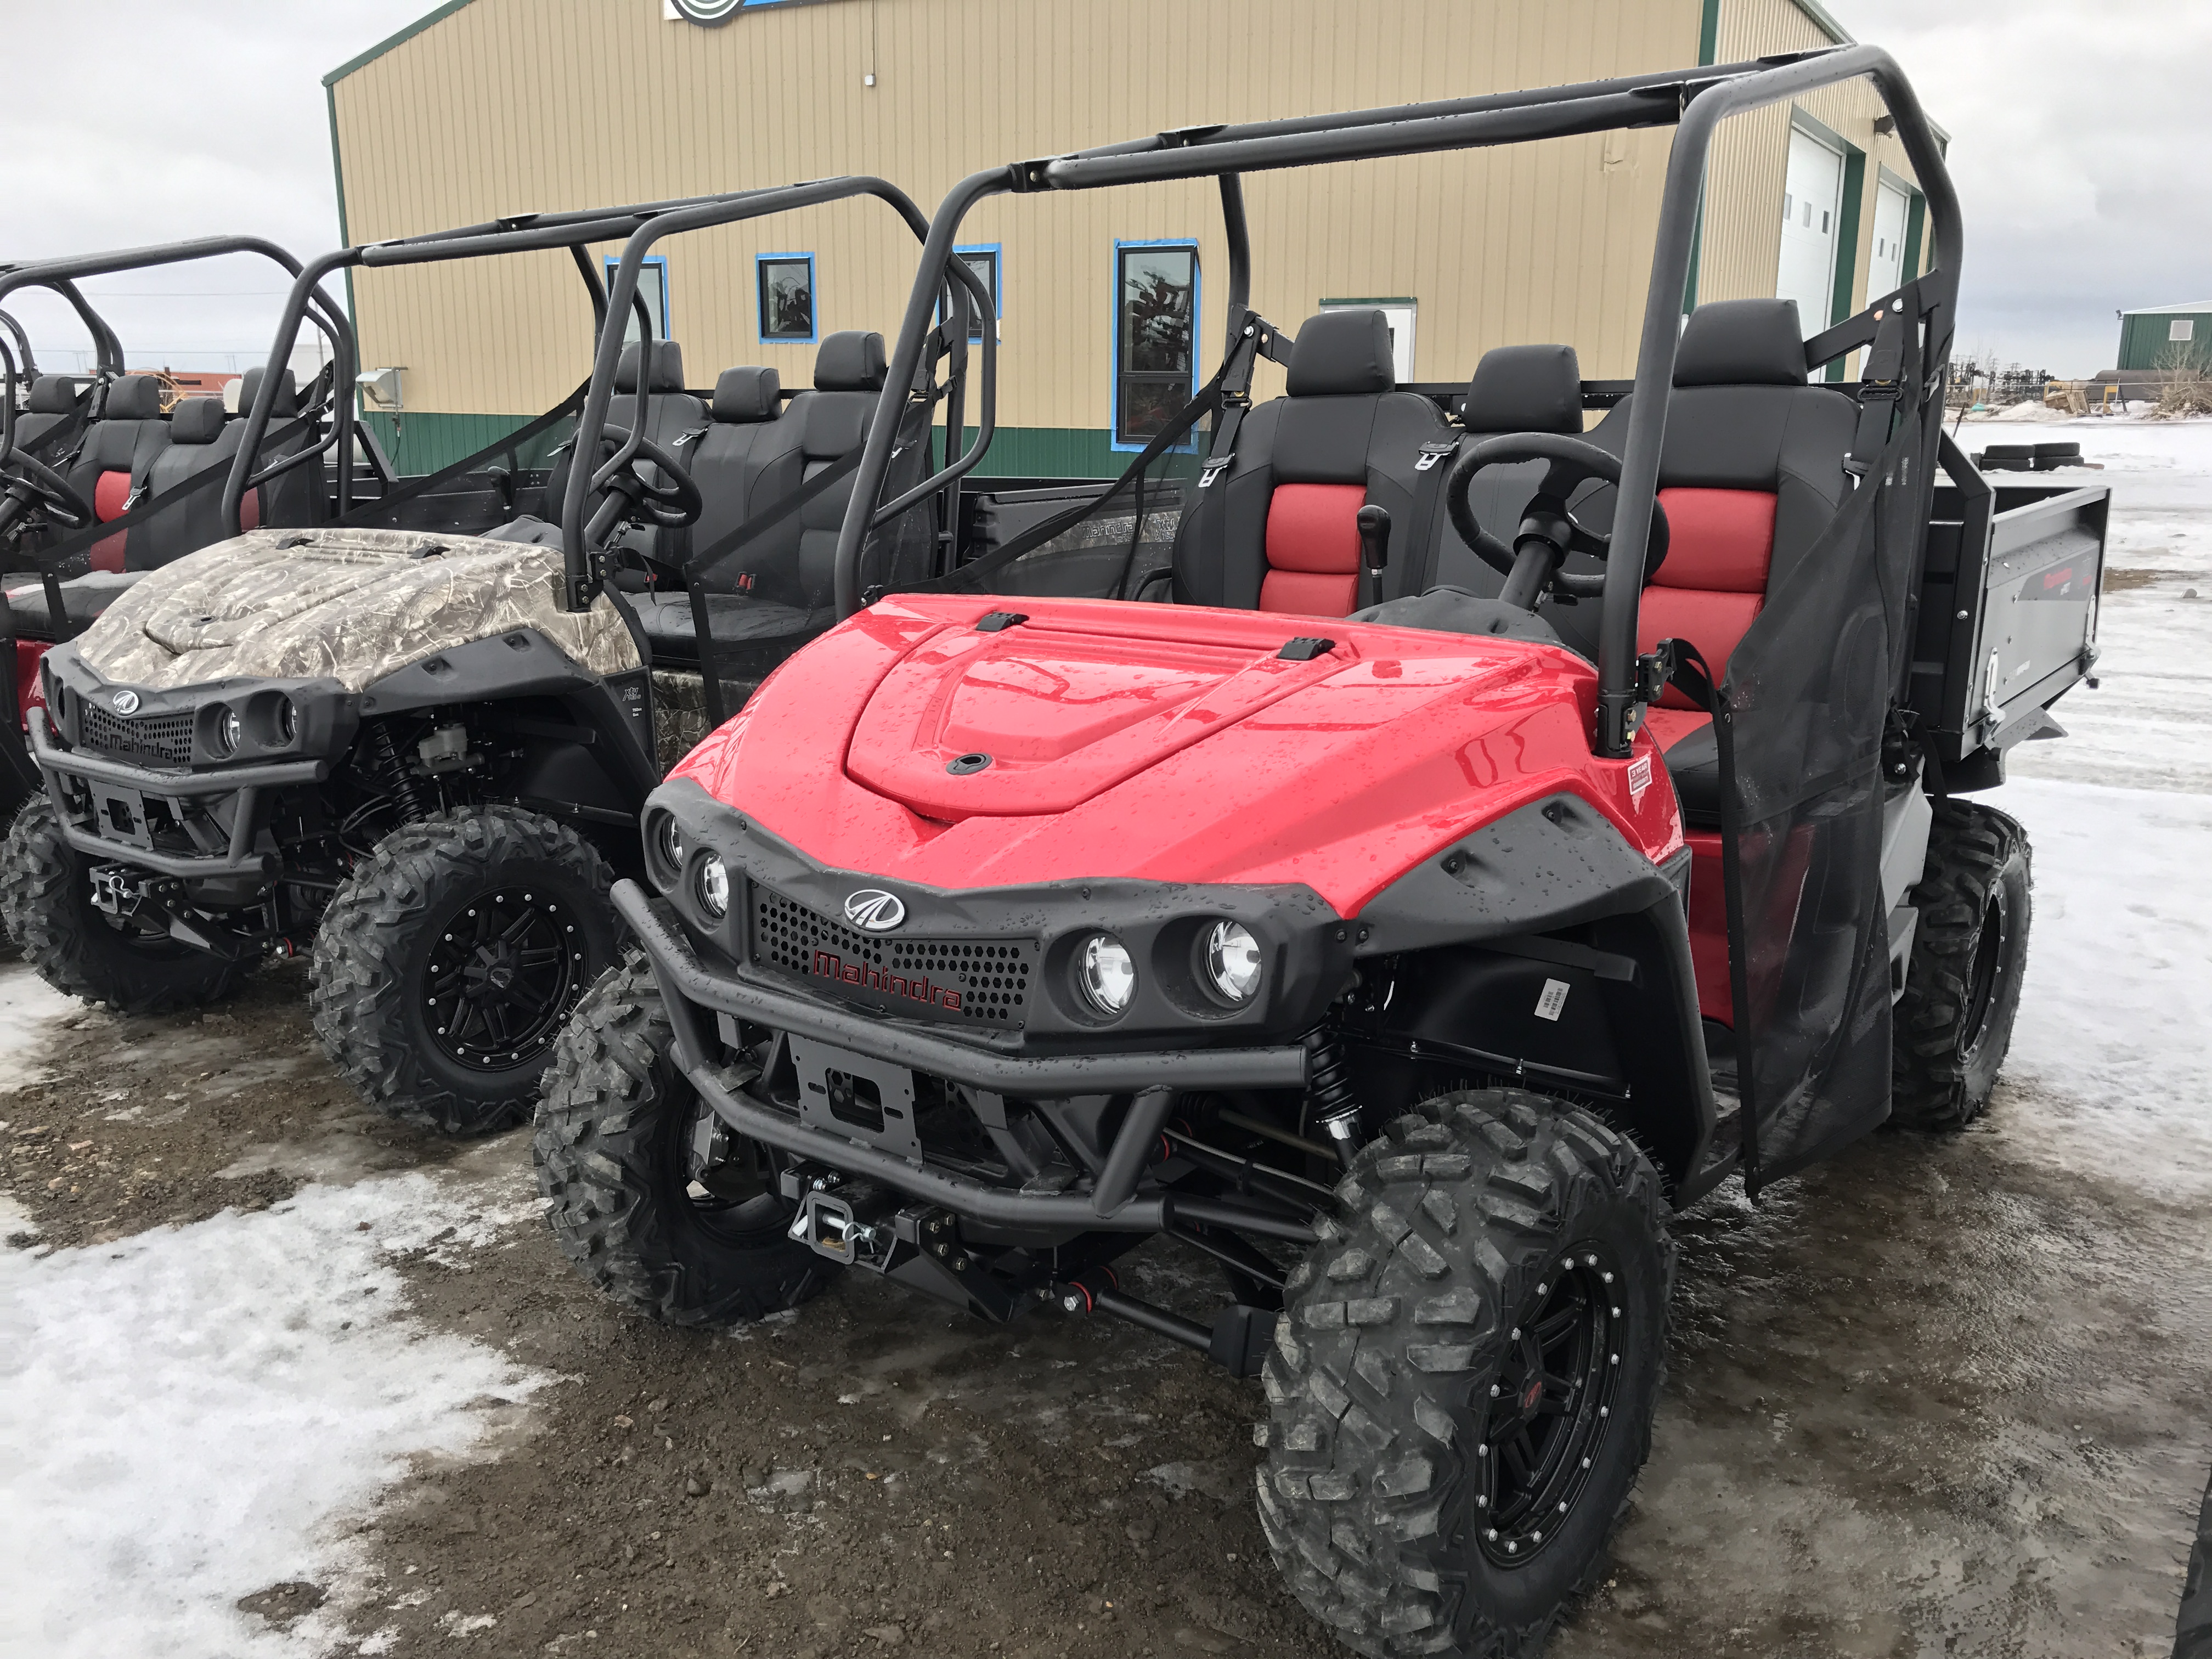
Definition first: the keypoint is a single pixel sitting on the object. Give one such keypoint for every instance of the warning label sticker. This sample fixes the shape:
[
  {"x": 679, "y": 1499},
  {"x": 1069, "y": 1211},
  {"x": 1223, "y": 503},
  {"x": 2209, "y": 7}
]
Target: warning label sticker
[{"x": 1554, "y": 999}]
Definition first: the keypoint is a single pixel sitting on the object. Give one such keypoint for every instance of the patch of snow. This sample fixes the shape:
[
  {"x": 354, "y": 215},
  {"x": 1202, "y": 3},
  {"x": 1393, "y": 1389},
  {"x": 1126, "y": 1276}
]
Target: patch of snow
[
  {"x": 185, "y": 1415},
  {"x": 30, "y": 1010},
  {"x": 2114, "y": 1025},
  {"x": 2025, "y": 414},
  {"x": 15, "y": 1221}
]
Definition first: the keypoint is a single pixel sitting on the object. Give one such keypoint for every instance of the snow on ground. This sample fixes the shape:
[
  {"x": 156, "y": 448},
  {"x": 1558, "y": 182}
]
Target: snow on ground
[{"x": 194, "y": 1414}]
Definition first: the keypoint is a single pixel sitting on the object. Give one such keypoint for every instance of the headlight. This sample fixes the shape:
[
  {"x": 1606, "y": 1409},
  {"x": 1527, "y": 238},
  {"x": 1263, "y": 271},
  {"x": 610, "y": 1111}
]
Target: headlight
[
  {"x": 667, "y": 843},
  {"x": 287, "y": 720},
  {"x": 1232, "y": 962},
  {"x": 714, "y": 881},
  {"x": 227, "y": 729},
  {"x": 1106, "y": 973}
]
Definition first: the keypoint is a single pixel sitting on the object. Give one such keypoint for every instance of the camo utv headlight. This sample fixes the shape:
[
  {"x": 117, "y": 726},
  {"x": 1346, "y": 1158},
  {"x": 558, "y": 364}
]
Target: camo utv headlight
[
  {"x": 1106, "y": 973},
  {"x": 1229, "y": 958}
]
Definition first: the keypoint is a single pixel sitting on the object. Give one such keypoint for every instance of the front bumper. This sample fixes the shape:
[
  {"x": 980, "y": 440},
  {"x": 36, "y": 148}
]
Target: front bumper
[
  {"x": 692, "y": 990},
  {"x": 110, "y": 782}
]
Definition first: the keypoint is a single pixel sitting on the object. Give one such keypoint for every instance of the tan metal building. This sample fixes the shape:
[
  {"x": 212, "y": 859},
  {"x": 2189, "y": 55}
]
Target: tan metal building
[{"x": 487, "y": 108}]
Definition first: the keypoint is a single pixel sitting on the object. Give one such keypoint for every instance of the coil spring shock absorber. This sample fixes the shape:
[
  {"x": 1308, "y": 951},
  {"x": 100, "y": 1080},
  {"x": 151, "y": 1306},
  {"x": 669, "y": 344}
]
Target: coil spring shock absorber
[
  {"x": 1329, "y": 1094},
  {"x": 406, "y": 789}
]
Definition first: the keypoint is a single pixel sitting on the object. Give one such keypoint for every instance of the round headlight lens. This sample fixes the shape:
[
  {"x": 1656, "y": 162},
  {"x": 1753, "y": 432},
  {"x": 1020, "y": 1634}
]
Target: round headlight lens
[
  {"x": 714, "y": 887},
  {"x": 1106, "y": 973},
  {"x": 287, "y": 720},
  {"x": 1232, "y": 961},
  {"x": 668, "y": 841},
  {"x": 228, "y": 728}
]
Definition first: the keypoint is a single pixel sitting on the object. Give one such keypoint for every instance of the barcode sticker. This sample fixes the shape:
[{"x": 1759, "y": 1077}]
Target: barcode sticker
[{"x": 1553, "y": 1000}]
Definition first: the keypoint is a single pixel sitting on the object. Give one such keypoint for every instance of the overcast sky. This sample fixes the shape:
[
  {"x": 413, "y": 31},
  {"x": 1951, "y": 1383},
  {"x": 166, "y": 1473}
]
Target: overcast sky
[{"x": 2080, "y": 134}]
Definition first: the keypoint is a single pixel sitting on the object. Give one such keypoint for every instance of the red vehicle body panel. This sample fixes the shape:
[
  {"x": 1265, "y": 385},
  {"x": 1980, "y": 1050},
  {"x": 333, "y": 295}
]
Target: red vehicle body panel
[
  {"x": 29, "y": 693},
  {"x": 1164, "y": 743}
]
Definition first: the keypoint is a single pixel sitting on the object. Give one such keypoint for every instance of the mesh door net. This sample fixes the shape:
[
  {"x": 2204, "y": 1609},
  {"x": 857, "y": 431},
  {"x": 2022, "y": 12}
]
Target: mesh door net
[{"x": 1808, "y": 692}]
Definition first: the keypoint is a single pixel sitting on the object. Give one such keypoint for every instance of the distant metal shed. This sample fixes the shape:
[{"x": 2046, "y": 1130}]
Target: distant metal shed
[{"x": 2154, "y": 335}]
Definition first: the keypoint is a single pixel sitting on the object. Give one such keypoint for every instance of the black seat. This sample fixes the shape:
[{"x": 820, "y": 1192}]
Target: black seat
[
  {"x": 52, "y": 400},
  {"x": 745, "y": 438},
  {"x": 673, "y": 419},
  {"x": 119, "y": 449},
  {"x": 1276, "y": 529},
  {"x": 1750, "y": 474},
  {"x": 290, "y": 500},
  {"x": 767, "y": 598},
  {"x": 1515, "y": 389}
]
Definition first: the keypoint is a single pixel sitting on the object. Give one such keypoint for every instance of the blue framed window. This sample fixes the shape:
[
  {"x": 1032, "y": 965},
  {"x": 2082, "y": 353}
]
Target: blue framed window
[
  {"x": 986, "y": 259},
  {"x": 784, "y": 288},
  {"x": 1155, "y": 308},
  {"x": 652, "y": 287}
]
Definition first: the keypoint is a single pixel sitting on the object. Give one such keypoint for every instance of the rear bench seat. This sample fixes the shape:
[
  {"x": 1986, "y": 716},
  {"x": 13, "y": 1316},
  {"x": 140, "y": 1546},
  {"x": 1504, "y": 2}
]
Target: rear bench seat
[{"x": 52, "y": 400}]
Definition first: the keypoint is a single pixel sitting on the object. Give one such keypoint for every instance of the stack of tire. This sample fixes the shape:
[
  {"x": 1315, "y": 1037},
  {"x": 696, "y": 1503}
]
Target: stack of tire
[{"x": 2028, "y": 458}]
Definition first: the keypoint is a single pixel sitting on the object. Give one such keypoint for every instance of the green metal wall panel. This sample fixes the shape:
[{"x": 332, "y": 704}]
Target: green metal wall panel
[
  {"x": 2143, "y": 342},
  {"x": 426, "y": 442},
  {"x": 1047, "y": 452}
]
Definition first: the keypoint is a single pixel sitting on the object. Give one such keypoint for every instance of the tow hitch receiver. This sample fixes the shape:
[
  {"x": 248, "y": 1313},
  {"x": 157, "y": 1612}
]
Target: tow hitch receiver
[
  {"x": 851, "y": 1225},
  {"x": 119, "y": 890}
]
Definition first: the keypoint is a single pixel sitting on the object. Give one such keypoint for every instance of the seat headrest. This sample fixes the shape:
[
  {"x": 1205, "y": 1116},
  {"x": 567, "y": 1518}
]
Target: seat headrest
[
  {"x": 287, "y": 392},
  {"x": 747, "y": 394},
  {"x": 1741, "y": 343},
  {"x": 1341, "y": 352},
  {"x": 133, "y": 397},
  {"x": 1525, "y": 388},
  {"x": 667, "y": 368},
  {"x": 52, "y": 394},
  {"x": 851, "y": 359},
  {"x": 196, "y": 420}
]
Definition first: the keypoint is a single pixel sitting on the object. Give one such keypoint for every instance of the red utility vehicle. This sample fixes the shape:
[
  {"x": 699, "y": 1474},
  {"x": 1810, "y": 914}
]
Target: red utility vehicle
[{"x": 1355, "y": 885}]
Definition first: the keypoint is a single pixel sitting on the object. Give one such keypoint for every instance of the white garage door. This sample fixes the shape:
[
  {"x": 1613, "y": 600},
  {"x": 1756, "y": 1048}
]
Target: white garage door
[
  {"x": 1885, "y": 262},
  {"x": 1810, "y": 197}
]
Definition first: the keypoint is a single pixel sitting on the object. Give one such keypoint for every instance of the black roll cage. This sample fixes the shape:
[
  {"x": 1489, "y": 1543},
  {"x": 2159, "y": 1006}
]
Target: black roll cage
[
  {"x": 60, "y": 277},
  {"x": 1694, "y": 101},
  {"x": 584, "y": 582}
]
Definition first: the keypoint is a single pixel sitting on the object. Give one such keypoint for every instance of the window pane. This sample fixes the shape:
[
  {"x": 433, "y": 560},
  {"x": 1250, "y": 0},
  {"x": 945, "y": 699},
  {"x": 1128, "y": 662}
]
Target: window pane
[
  {"x": 985, "y": 267},
  {"x": 786, "y": 299},
  {"x": 2182, "y": 329},
  {"x": 1157, "y": 286}
]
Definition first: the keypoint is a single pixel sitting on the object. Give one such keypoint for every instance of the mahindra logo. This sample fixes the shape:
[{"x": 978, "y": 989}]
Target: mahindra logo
[
  {"x": 126, "y": 702},
  {"x": 875, "y": 911}
]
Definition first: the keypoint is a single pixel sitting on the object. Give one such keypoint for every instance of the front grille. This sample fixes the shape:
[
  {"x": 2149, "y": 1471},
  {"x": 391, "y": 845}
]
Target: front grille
[
  {"x": 976, "y": 982},
  {"x": 153, "y": 737}
]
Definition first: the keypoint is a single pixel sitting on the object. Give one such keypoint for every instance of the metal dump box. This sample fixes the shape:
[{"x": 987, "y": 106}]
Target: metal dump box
[{"x": 2008, "y": 619}]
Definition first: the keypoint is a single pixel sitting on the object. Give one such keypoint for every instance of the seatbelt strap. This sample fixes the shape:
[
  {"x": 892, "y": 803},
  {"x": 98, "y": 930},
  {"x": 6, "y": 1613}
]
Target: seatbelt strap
[
  {"x": 1431, "y": 472},
  {"x": 1880, "y": 388},
  {"x": 1257, "y": 339}
]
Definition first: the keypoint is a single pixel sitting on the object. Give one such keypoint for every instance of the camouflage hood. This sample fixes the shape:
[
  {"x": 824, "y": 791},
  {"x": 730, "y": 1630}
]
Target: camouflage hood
[{"x": 351, "y": 605}]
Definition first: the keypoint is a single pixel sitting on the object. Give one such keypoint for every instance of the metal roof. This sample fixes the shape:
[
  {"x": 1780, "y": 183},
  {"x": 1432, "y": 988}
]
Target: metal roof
[{"x": 2199, "y": 307}]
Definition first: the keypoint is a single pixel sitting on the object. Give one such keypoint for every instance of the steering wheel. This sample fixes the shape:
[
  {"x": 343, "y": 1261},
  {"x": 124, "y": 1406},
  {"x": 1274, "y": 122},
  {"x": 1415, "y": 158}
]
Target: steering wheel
[
  {"x": 1548, "y": 531},
  {"x": 671, "y": 504},
  {"x": 32, "y": 480}
]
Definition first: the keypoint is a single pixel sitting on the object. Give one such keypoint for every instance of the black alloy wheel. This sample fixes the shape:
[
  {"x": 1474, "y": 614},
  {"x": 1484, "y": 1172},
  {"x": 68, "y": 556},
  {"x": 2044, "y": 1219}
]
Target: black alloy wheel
[
  {"x": 1549, "y": 1408},
  {"x": 504, "y": 973}
]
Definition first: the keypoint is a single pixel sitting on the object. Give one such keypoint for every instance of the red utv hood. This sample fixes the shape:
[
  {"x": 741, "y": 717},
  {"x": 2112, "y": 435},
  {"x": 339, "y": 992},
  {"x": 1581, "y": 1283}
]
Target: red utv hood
[
  {"x": 1064, "y": 708},
  {"x": 1168, "y": 742}
]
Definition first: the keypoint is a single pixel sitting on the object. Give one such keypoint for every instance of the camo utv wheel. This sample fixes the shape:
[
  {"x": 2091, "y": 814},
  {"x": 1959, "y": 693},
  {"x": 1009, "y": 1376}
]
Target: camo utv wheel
[
  {"x": 1461, "y": 1389},
  {"x": 653, "y": 1197},
  {"x": 447, "y": 964},
  {"x": 45, "y": 904},
  {"x": 1954, "y": 1023}
]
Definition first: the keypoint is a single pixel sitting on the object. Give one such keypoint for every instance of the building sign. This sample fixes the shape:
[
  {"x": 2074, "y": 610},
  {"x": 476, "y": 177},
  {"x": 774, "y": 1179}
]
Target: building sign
[{"x": 711, "y": 13}]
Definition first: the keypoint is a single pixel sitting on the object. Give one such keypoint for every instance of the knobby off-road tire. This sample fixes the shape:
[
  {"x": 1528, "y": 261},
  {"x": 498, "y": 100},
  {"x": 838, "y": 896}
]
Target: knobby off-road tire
[
  {"x": 45, "y": 904},
  {"x": 1962, "y": 985},
  {"x": 618, "y": 1133},
  {"x": 1479, "y": 1227},
  {"x": 440, "y": 910}
]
